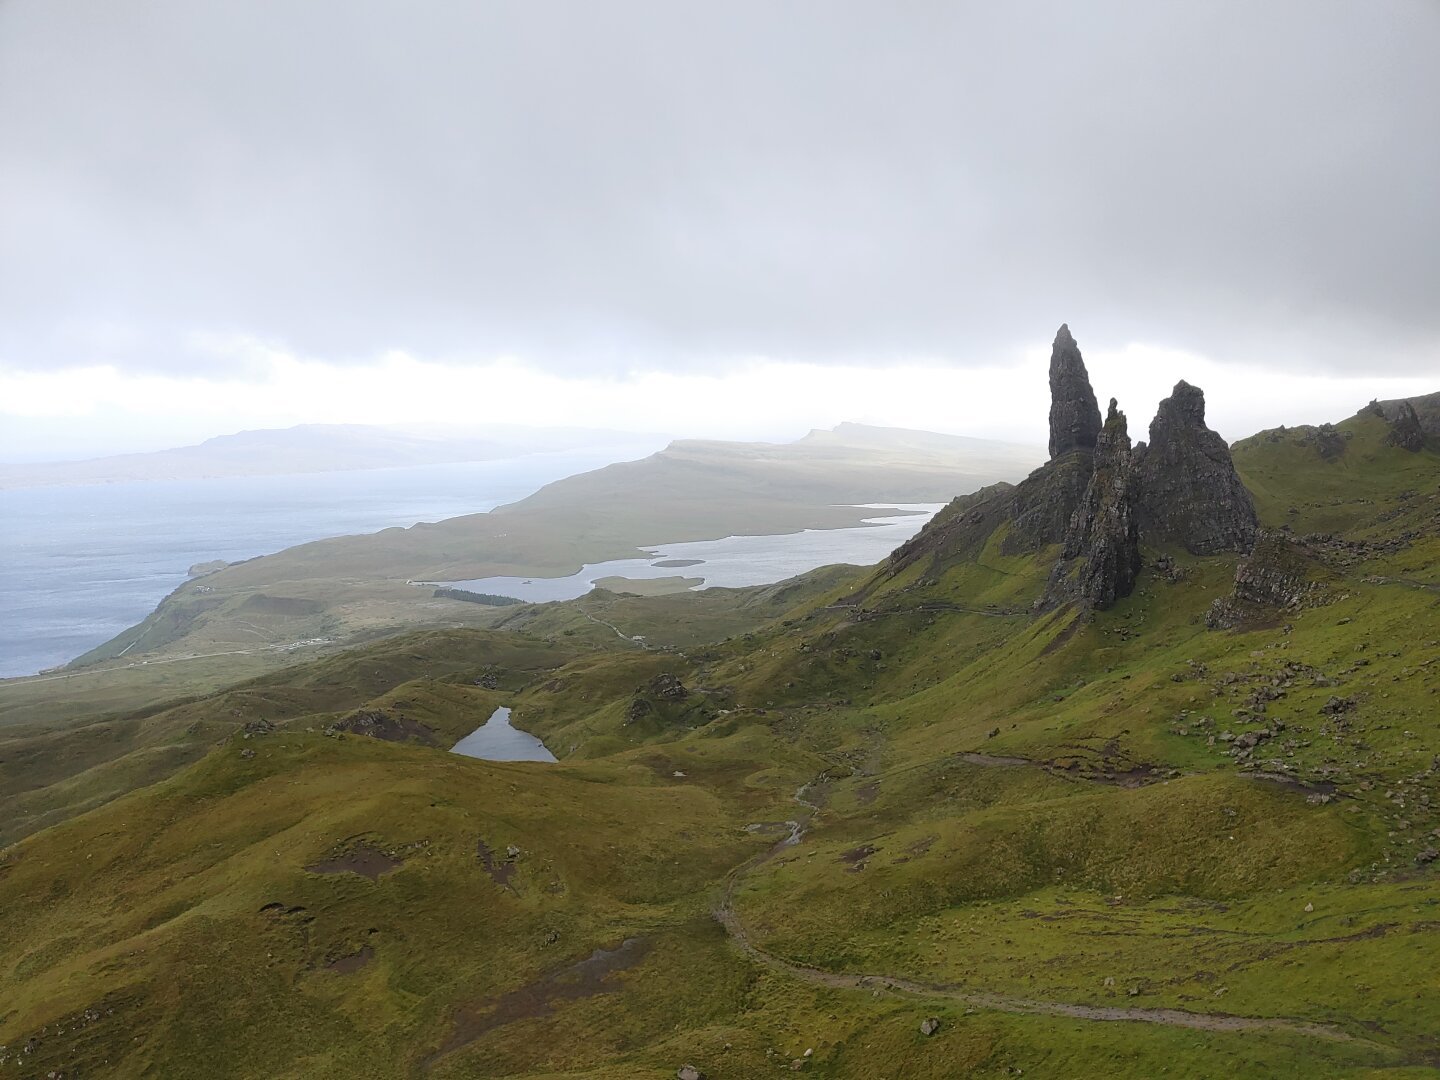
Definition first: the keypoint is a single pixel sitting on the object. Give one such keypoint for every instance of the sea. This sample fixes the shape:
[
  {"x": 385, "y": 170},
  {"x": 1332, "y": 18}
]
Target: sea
[{"x": 79, "y": 564}]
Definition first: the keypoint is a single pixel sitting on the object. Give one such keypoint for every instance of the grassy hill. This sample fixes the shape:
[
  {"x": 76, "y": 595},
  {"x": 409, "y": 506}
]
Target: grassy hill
[
  {"x": 243, "y": 619},
  {"x": 1166, "y": 838}
]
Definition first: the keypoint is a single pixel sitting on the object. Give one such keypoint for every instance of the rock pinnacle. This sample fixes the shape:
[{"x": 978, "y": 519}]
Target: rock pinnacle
[{"x": 1074, "y": 412}]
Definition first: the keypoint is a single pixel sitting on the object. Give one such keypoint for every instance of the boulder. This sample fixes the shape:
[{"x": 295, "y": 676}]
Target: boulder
[{"x": 929, "y": 1026}]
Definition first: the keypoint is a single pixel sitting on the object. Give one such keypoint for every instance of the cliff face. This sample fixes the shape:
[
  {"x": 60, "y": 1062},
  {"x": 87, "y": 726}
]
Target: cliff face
[
  {"x": 1100, "y": 557},
  {"x": 1187, "y": 489}
]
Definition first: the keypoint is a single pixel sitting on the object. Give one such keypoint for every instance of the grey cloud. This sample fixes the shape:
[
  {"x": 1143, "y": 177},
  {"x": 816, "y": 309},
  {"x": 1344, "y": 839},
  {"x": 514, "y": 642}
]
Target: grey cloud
[{"x": 597, "y": 185}]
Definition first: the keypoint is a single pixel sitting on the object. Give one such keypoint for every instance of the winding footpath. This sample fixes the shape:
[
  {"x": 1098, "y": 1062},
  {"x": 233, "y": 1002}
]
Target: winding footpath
[{"x": 726, "y": 915}]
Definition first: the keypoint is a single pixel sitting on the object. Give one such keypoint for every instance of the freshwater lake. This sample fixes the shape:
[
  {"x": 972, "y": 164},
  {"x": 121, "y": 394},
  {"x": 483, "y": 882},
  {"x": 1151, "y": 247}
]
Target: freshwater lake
[
  {"x": 734, "y": 562},
  {"x": 496, "y": 740}
]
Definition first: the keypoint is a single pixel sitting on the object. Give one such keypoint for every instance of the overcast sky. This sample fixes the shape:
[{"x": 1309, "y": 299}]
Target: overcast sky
[{"x": 720, "y": 218}]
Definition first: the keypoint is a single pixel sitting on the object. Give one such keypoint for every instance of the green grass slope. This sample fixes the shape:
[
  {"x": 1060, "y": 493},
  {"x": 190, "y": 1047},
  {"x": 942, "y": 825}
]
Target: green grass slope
[{"x": 1125, "y": 845}]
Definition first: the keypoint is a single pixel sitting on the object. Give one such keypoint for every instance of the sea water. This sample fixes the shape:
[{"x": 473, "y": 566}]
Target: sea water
[{"x": 81, "y": 563}]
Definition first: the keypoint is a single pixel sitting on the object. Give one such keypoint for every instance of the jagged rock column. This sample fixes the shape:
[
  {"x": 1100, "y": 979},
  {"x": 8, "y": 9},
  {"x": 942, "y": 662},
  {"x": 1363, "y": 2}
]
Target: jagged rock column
[
  {"x": 1100, "y": 556},
  {"x": 1186, "y": 488},
  {"x": 1074, "y": 413},
  {"x": 1044, "y": 502}
]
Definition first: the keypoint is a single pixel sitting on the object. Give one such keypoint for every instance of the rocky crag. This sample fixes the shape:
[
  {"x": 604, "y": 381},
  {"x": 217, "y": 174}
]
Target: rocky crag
[
  {"x": 1100, "y": 557},
  {"x": 1425, "y": 410},
  {"x": 1100, "y": 500},
  {"x": 1180, "y": 489},
  {"x": 1405, "y": 429},
  {"x": 1074, "y": 412},
  {"x": 1187, "y": 490},
  {"x": 1279, "y": 577}
]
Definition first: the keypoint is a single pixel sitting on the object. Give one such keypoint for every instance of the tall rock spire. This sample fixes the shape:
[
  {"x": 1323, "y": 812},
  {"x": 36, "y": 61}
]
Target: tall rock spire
[
  {"x": 1074, "y": 412},
  {"x": 1187, "y": 489},
  {"x": 1100, "y": 555}
]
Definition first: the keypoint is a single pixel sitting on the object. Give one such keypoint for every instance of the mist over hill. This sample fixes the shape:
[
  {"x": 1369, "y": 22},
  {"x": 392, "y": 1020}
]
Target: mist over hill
[{"x": 309, "y": 448}]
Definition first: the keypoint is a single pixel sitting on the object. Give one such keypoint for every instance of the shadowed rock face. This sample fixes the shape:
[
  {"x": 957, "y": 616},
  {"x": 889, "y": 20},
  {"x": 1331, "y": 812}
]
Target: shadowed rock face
[
  {"x": 1097, "y": 499},
  {"x": 1100, "y": 557},
  {"x": 1426, "y": 408},
  {"x": 1405, "y": 429},
  {"x": 1044, "y": 502},
  {"x": 1186, "y": 488},
  {"x": 1074, "y": 413}
]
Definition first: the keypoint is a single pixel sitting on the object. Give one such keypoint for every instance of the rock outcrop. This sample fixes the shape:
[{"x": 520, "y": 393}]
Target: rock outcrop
[
  {"x": 1100, "y": 557},
  {"x": 1098, "y": 499},
  {"x": 1187, "y": 491},
  {"x": 1405, "y": 429},
  {"x": 1278, "y": 578},
  {"x": 1074, "y": 412},
  {"x": 1426, "y": 407},
  {"x": 1045, "y": 501}
]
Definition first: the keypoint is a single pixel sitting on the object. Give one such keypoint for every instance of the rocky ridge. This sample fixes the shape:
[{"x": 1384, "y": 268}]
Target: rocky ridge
[
  {"x": 1426, "y": 409},
  {"x": 1098, "y": 498},
  {"x": 1180, "y": 489}
]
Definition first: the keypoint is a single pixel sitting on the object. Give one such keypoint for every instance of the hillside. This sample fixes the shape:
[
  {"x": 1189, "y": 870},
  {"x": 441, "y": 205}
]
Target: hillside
[
  {"x": 350, "y": 589},
  {"x": 1126, "y": 769}
]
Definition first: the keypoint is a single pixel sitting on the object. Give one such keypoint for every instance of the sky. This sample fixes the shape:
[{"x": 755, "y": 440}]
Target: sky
[{"x": 732, "y": 220}]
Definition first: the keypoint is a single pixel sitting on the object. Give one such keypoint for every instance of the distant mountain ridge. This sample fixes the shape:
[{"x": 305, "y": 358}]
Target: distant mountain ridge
[{"x": 308, "y": 448}]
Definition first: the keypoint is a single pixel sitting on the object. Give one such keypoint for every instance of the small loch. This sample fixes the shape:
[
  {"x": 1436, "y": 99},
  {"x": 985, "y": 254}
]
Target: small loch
[{"x": 496, "y": 740}]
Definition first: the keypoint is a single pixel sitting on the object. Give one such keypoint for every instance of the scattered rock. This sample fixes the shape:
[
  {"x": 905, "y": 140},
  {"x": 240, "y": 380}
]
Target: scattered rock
[
  {"x": 379, "y": 724},
  {"x": 667, "y": 687},
  {"x": 689, "y": 1072},
  {"x": 929, "y": 1026}
]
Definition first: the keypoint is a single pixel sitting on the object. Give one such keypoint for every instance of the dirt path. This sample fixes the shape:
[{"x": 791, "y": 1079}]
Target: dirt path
[
  {"x": 611, "y": 626},
  {"x": 730, "y": 920},
  {"x": 289, "y": 646}
]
